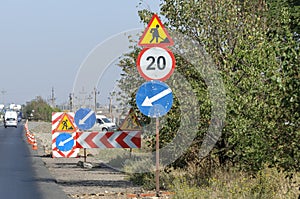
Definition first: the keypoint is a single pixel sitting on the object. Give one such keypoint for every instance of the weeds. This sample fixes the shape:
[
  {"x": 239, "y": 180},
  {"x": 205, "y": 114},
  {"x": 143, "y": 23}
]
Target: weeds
[{"x": 268, "y": 183}]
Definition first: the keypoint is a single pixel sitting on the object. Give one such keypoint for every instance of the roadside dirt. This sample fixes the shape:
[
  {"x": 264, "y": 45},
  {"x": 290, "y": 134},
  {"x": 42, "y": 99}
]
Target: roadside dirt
[
  {"x": 93, "y": 180},
  {"x": 97, "y": 182}
]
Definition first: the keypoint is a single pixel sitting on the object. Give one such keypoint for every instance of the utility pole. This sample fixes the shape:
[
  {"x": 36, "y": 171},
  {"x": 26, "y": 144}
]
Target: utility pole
[
  {"x": 89, "y": 98},
  {"x": 71, "y": 102},
  {"x": 110, "y": 107},
  {"x": 52, "y": 98},
  {"x": 95, "y": 98},
  {"x": 82, "y": 94}
]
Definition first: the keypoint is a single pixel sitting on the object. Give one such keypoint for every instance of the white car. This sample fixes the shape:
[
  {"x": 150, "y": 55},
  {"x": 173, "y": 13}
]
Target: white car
[
  {"x": 11, "y": 119},
  {"x": 103, "y": 124}
]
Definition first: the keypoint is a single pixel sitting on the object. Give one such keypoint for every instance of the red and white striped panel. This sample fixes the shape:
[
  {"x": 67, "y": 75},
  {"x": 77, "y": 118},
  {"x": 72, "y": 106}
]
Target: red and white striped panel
[
  {"x": 56, "y": 153},
  {"x": 57, "y": 116},
  {"x": 118, "y": 139}
]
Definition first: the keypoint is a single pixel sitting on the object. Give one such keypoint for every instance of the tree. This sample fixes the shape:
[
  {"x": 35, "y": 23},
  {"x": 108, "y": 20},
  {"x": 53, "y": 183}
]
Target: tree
[
  {"x": 257, "y": 55},
  {"x": 40, "y": 110}
]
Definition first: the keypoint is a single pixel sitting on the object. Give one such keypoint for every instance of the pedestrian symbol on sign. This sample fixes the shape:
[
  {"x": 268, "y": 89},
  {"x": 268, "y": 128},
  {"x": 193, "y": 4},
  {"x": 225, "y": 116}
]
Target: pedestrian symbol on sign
[
  {"x": 155, "y": 34},
  {"x": 131, "y": 122},
  {"x": 65, "y": 124}
]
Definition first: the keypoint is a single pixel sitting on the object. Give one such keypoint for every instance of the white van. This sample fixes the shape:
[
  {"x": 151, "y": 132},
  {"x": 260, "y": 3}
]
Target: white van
[
  {"x": 11, "y": 119},
  {"x": 103, "y": 124}
]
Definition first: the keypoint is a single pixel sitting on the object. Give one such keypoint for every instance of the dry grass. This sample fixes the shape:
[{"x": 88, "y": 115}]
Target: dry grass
[
  {"x": 269, "y": 183},
  {"x": 196, "y": 182}
]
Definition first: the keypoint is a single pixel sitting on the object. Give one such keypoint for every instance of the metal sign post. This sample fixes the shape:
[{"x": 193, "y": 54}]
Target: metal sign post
[
  {"x": 157, "y": 157},
  {"x": 84, "y": 154},
  {"x": 155, "y": 63},
  {"x": 154, "y": 99}
]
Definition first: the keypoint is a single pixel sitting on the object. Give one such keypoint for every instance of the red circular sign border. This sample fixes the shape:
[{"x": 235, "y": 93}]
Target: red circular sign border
[{"x": 144, "y": 75}]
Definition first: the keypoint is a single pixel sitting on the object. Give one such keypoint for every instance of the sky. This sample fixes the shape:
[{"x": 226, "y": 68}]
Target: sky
[{"x": 43, "y": 43}]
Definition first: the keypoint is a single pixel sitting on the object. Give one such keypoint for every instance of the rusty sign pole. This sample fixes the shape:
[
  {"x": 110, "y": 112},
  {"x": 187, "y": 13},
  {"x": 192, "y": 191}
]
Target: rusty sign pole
[
  {"x": 84, "y": 154},
  {"x": 157, "y": 158},
  {"x": 151, "y": 51}
]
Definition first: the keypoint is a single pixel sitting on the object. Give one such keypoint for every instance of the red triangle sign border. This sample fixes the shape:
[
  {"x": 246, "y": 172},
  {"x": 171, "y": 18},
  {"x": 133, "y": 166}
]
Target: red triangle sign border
[{"x": 171, "y": 43}]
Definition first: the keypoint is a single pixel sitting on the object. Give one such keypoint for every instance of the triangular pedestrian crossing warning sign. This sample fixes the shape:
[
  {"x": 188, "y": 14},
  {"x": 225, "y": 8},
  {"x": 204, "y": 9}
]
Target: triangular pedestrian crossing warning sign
[
  {"x": 131, "y": 122},
  {"x": 66, "y": 124},
  {"x": 155, "y": 34}
]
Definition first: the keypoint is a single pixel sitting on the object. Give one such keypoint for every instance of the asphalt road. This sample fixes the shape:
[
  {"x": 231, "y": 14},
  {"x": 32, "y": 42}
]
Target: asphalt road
[{"x": 22, "y": 172}]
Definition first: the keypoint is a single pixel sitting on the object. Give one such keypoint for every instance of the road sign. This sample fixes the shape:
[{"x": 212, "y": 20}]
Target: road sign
[
  {"x": 63, "y": 122},
  {"x": 131, "y": 122},
  {"x": 64, "y": 142},
  {"x": 155, "y": 34},
  {"x": 156, "y": 63},
  {"x": 85, "y": 118},
  {"x": 116, "y": 139},
  {"x": 64, "y": 145},
  {"x": 154, "y": 98}
]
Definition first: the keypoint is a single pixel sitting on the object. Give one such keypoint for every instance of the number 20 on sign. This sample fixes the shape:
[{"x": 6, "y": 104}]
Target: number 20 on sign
[{"x": 156, "y": 63}]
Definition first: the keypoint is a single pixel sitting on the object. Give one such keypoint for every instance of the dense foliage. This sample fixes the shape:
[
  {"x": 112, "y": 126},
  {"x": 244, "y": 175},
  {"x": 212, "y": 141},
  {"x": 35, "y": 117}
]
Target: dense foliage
[
  {"x": 38, "y": 109},
  {"x": 255, "y": 47}
]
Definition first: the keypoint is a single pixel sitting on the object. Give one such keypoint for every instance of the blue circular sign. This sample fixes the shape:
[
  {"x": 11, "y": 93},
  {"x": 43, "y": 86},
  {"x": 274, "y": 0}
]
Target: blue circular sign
[
  {"x": 154, "y": 98},
  {"x": 85, "y": 118},
  {"x": 64, "y": 142}
]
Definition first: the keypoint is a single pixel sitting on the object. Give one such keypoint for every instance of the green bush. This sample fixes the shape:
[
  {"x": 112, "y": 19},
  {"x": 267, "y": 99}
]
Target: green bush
[{"x": 39, "y": 109}]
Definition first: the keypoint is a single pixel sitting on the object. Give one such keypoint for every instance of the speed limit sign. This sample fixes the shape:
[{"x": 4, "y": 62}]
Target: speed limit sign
[{"x": 156, "y": 63}]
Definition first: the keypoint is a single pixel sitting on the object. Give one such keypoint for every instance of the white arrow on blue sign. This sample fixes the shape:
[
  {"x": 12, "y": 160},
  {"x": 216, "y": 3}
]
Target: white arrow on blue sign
[
  {"x": 154, "y": 98},
  {"x": 65, "y": 142},
  {"x": 85, "y": 118}
]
